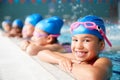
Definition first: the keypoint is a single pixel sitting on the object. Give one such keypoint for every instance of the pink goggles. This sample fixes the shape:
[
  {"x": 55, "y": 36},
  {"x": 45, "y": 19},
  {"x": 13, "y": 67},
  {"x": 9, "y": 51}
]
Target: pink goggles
[
  {"x": 43, "y": 35},
  {"x": 90, "y": 26},
  {"x": 24, "y": 31}
]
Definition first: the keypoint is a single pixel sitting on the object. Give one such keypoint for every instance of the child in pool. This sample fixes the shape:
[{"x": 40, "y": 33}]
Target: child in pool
[
  {"x": 84, "y": 63},
  {"x": 16, "y": 30},
  {"x": 45, "y": 36},
  {"x": 6, "y": 25},
  {"x": 28, "y": 29},
  {"x": 29, "y": 26}
]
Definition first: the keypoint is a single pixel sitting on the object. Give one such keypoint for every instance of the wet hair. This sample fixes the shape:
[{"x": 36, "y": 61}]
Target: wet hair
[{"x": 55, "y": 40}]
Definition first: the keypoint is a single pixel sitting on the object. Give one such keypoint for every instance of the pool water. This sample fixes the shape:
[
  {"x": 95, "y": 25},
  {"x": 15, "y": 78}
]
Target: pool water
[{"x": 115, "y": 58}]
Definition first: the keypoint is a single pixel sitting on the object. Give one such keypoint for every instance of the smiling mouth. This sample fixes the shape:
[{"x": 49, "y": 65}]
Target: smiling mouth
[{"x": 80, "y": 54}]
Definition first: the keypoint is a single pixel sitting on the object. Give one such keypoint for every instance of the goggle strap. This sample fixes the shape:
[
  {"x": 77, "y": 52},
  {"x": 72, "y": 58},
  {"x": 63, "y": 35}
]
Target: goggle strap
[
  {"x": 39, "y": 35},
  {"x": 103, "y": 34},
  {"x": 55, "y": 35}
]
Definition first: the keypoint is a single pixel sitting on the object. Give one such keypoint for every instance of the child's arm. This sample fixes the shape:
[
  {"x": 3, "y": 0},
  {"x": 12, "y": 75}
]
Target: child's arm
[
  {"x": 19, "y": 35},
  {"x": 50, "y": 56},
  {"x": 55, "y": 47},
  {"x": 100, "y": 70},
  {"x": 63, "y": 60},
  {"x": 33, "y": 48},
  {"x": 24, "y": 44}
]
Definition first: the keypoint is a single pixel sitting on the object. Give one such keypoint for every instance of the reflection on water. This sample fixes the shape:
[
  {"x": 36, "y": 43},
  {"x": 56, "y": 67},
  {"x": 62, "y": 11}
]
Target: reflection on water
[
  {"x": 113, "y": 31},
  {"x": 115, "y": 58},
  {"x": 113, "y": 34}
]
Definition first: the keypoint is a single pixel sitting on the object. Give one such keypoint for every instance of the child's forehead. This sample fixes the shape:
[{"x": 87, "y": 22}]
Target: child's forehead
[
  {"x": 15, "y": 26},
  {"x": 27, "y": 23},
  {"x": 39, "y": 30},
  {"x": 84, "y": 36},
  {"x": 6, "y": 24}
]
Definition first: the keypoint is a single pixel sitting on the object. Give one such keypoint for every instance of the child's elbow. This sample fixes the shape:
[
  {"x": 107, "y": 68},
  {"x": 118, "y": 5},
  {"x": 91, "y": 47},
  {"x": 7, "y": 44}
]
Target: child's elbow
[
  {"x": 96, "y": 75},
  {"x": 93, "y": 76},
  {"x": 31, "y": 51}
]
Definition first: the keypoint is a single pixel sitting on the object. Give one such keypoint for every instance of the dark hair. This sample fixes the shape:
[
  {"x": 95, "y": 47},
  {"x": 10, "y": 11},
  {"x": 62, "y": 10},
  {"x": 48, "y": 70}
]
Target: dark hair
[
  {"x": 54, "y": 40},
  {"x": 100, "y": 39}
]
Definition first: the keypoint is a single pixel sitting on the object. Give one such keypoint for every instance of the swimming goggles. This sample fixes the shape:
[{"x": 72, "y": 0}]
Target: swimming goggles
[
  {"x": 43, "y": 35},
  {"x": 24, "y": 31},
  {"x": 90, "y": 26}
]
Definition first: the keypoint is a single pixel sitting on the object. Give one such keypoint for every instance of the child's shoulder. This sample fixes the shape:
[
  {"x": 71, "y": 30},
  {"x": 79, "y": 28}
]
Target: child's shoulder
[
  {"x": 54, "y": 45},
  {"x": 106, "y": 65},
  {"x": 103, "y": 61}
]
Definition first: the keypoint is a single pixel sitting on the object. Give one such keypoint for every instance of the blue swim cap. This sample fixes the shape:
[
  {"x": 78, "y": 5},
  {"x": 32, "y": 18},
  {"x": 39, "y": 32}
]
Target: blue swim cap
[
  {"x": 6, "y": 22},
  {"x": 59, "y": 21},
  {"x": 18, "y": 23},
  {"x": 33, "y": 19},
  {"x": 90, "y": 18},
  {"x": 51, "y": 25}
]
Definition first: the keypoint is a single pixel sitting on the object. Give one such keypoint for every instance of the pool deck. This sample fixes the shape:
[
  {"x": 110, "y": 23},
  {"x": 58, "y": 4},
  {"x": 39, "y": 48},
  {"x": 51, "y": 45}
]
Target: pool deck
[{"x": 17, "y": 65}]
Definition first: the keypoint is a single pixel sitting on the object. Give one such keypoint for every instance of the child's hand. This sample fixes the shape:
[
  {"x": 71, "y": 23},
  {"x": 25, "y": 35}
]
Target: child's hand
[
  {"x": 24, "y": 45},
  {"x": 66, "y": 64},
  {"x": 76, "y": 61},
  {"x": 32, "y": 49}
]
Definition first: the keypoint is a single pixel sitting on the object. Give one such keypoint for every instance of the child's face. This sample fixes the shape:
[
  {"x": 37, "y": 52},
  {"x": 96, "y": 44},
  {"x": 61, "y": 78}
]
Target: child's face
[
  {"x": 15, "y": 30},
  {"x": 86, "y": 47},
  {"x": 6, "y": 27},
  {"x": 39, "y": 37},
  {"x": 27, "y": 31}
]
